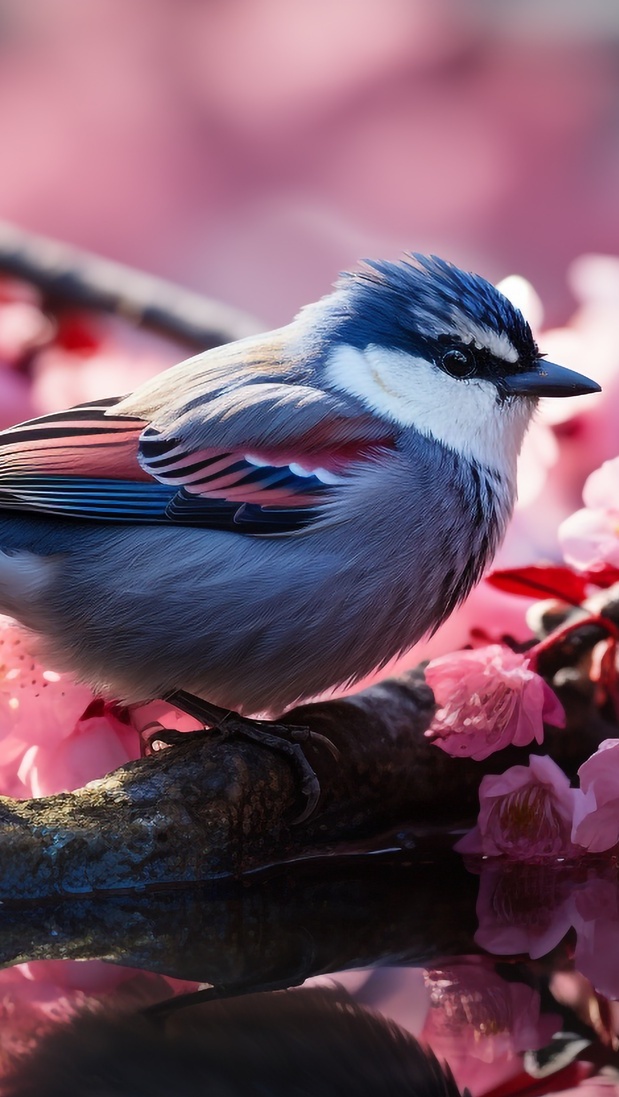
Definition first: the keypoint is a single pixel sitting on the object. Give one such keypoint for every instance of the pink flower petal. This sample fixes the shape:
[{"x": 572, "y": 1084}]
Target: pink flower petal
[
  {"x": 601, "y": 490},
  {"x": 96, "y": 747},
  {"x": 487, "y": 699},
  {"x": 597, "y": 928},
  {"x": 590, "y": 538},
  {"x": 37, "y": 704},
  {"x": 596, "y": 817},
  {"x": 523, "y": 908},
  {"x": 525, "y": 814}
]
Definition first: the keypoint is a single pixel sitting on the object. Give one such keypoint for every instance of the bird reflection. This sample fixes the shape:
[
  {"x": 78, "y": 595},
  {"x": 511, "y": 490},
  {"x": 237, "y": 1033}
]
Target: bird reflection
[{"x": 298, "y": 1042}]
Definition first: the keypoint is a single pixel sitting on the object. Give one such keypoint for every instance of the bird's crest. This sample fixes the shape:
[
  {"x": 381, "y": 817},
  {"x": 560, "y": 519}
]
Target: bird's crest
[{"x": 435, "y": 298}]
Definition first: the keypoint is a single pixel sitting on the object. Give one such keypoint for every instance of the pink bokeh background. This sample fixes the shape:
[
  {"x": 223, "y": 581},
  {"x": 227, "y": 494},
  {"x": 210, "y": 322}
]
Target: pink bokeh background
[{"x": 253, "y": 148}]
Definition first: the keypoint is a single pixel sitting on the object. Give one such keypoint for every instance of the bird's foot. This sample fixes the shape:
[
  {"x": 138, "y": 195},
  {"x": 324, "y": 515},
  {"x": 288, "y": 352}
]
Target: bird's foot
[{"x": 284, "y": 738}]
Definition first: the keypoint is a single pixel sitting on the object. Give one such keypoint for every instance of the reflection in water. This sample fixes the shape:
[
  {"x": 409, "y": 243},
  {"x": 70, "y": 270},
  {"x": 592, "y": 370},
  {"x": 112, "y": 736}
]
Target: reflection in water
[
  {"x": 501, "y": 1028},
  {"x": 398, "y": 932},
  {"x": 35, "y": 997},
  {"x": 501, "y": 1032},
  {"x": 530, "y": 908},
  {"x": 310, "y": 1042}
]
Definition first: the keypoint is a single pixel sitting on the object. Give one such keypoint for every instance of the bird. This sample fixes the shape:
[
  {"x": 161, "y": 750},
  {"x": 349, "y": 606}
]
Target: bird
[{"x": 283, "y": 515}]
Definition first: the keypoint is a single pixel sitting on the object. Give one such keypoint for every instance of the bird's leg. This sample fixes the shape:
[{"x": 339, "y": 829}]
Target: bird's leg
[{"x": 285, "y": 739}]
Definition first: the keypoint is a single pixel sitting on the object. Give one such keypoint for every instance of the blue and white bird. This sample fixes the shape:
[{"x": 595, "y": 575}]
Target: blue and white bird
[{"x": 282, "y": 515}]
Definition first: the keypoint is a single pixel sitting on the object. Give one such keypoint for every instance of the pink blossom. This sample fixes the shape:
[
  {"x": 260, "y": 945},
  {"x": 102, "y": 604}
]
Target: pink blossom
[
  {"x": 36, "y": 703},
  {"x": 590, "y": 537},
  {"x": 596, "y": 814},
  {"x": 525, "y": 813},
  {"x": 488, "y": 699},
  {"x": 529, "y": 908},
  {"x": 54, "y": 734},
  {"x": 96, "y": 745}
]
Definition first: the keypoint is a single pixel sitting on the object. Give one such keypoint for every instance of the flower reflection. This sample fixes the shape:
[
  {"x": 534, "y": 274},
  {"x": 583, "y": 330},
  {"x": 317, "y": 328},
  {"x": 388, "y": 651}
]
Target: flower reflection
[
  {"x": 480, "y": 1023},
  {"x": 304, "y": 1041},
  {"x": 596, "y": 817},
  {"x": 473, "y": 1011},
  {"x": 523, "y": 909},
  {"x": 596, "y": 921},
  {"x": 474, "y": 1019},
  {"x": 526, "y": 909}
]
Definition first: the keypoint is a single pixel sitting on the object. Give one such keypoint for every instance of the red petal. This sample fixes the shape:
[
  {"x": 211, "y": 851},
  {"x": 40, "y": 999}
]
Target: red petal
[
  {"x": 604, "y": 576},
  {"x": 543, "y": 581},
  {"x": 523, "y": 1085}
]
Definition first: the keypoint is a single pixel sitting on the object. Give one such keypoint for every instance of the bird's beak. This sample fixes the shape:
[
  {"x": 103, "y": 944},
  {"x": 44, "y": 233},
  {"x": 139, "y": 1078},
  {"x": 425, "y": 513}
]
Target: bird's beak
[{"x": 548, "y": 379}]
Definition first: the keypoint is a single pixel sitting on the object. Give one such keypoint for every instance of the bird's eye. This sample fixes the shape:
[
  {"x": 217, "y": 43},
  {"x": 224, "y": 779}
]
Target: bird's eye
[{"x": 458, "y": 362}]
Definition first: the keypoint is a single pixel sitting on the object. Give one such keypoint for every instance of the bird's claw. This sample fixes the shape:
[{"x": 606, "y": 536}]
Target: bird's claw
[
  {"x": 306, "y": 735},
  {"x": 283, "y": 738}
]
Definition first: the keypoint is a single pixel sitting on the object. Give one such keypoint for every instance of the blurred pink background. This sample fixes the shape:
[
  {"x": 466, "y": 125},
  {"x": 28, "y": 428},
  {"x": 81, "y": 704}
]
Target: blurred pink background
[{"x": 253, "y": 148}]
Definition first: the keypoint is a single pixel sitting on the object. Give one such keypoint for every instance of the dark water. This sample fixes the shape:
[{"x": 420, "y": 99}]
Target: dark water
[{"x": 508, "y": 972}]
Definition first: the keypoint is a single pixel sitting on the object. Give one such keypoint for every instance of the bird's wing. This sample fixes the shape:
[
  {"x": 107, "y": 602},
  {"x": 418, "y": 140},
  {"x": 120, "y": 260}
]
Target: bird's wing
[
  {"x": 99, "y": 461},
  {"x": 78, "y": 463},
  {"x": 255, "y": 392},
  {"x": 272, "y": 452}
]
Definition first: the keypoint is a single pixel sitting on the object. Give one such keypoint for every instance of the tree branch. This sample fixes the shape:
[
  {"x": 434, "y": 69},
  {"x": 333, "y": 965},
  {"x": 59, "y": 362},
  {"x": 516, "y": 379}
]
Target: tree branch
[
  {"x": 215, "y": 806},
  {"x": 69, "y": 277}
]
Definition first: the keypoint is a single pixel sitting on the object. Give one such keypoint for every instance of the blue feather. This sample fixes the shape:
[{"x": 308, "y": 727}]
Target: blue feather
[
  {"x": 85, "y": 497},
  {"x": 195, "y": 510},
  {"x": 143, "y": 501},
  {"x": 384, "y": 302}
]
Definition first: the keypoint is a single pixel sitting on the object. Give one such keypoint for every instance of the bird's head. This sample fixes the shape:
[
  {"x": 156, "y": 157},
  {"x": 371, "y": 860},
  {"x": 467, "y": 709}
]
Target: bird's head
[{"x": 433, "y": 348}]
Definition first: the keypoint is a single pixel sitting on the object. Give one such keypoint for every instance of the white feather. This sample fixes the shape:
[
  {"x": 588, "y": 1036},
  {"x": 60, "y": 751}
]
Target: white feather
[
  {"x": 497, "y": 342},
  {"x": 467, "y": 330},
  {"x": 411, "y": 392},
  {"x": 326, "y": 476}
]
